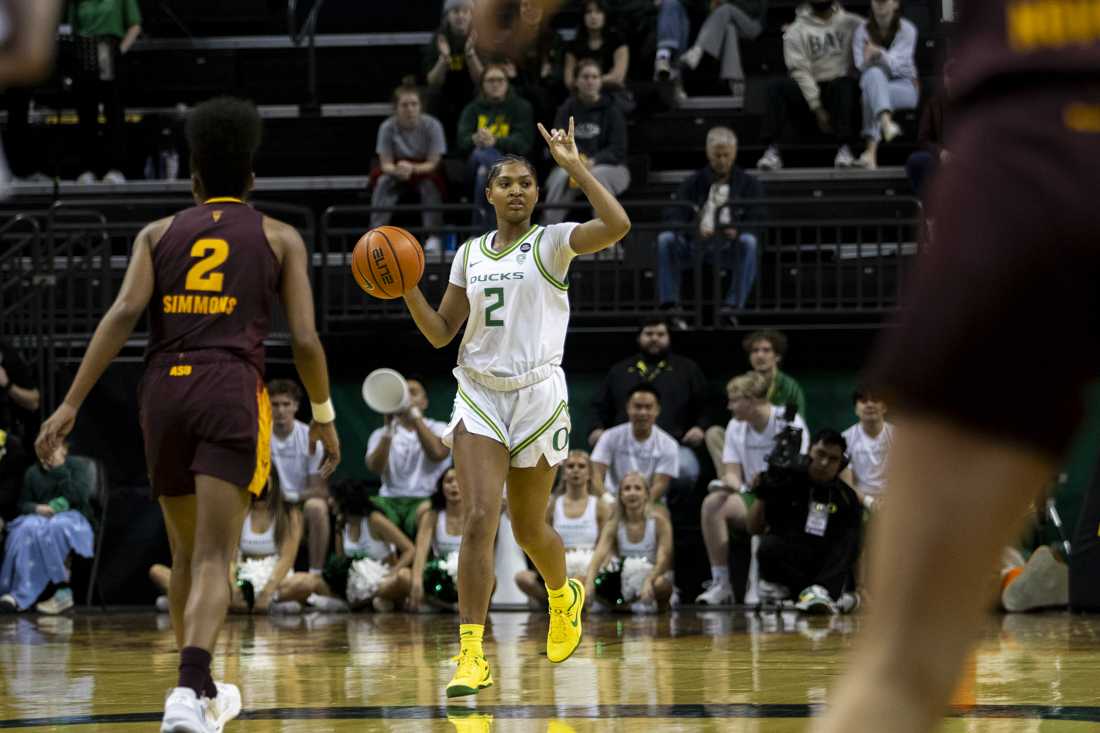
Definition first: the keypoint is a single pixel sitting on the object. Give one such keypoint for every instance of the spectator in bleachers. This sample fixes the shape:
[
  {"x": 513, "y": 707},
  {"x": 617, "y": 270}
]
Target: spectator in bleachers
[
  {"x": 299, "y": 467},
  {"x": 497, "y": 123},
  {"x": 883, "y": 49},
  {"x": 104, "y": 30},
  {"x": 749, "y": 438},
  {"x": 641, "y": 539},
  {"x": 409, "y": 147},
  {"x": 438, "y": 537},
  {"x": 19, "y": 400},
  {"x": 717, "y": 192},
  {"x": 869, "y": 442},
  {"x": 409, "y": 455},
  {"x": 812, "y": 527},
  {"x": 451, "y": 65},
  {"x": 729, "y": 21},
  {"x": 681, "y": 384},
  {"x": 578, "y": 516},
  {"x": 817, "y": 49},
  {"x": 597, "y": 39},
  {"x": 600, "y": 132},
  {"x": 372, "y": 559},
  {"x": 54, "y": 522},
  {"x": 931, "y": 136},
  {"x": 537, "y": 74},
  {"x": 637, "y": 445},
  {"x": 667, "y": 19},
  {"x": 765, "y": 350}
]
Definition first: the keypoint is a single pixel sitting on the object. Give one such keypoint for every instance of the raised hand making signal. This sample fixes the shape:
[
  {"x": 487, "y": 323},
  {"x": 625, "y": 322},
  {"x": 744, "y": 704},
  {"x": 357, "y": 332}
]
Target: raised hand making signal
[{"x": 563, "y": 147}]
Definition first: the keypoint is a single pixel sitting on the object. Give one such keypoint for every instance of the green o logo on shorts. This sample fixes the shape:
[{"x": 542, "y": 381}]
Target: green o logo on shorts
[{"x": 561, "y": 439}]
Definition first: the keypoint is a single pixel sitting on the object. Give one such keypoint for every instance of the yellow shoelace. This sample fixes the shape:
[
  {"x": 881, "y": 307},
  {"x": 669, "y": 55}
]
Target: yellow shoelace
[{"x": 558, "y": 624}]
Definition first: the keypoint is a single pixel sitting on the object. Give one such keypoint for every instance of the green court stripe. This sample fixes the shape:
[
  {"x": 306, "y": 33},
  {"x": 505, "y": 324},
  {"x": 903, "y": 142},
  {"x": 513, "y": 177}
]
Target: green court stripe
[
  {"x": 545, "y": 426},
  {"x": 466, "y": 398},
  {"x": 546, "y": 273},
  {"x": 488, "y": 251}
]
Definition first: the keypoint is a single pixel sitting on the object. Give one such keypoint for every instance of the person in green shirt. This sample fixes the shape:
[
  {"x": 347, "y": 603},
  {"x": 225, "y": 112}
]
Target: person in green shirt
[
  {"x": 105, "y": 31},
  {"x": 765, "y": 350},
  {"x": 497, "y": 123},
  {"x": 54, "y": 522}
]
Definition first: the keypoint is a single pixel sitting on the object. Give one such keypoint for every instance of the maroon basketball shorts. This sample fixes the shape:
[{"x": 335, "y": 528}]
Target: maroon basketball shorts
[
  {"x": 204, "y": 412},
  {"x": 999, "y": 333}
]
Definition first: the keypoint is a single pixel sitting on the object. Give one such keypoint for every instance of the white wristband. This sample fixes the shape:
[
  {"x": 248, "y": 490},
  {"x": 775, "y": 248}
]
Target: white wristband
[{"x": 323, "y": 412}]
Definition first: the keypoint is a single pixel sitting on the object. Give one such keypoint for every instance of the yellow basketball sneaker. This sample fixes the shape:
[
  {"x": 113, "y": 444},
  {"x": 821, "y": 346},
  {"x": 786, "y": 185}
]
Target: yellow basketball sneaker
[
  {"x": 470, "y": 721},
  {"x": 472, "y": 675},
  {"x": 565, "y": 625}
]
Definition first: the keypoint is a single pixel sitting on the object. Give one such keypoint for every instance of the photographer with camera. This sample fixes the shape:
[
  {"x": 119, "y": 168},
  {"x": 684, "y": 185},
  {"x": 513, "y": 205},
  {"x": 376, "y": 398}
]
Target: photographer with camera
[
  {"x": 812, "y": 526},
  {"x": 752, "y": 437}
]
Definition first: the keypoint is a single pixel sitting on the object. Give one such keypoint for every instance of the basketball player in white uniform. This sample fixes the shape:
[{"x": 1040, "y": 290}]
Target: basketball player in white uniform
[{"x": 511, "y": 415}]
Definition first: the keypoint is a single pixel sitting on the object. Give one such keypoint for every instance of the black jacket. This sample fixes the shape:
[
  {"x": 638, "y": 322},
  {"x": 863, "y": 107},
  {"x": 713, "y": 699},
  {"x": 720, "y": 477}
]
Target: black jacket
[
  {"x": 600, "y": 129},
  {"x": 680, "y": 381},
  {"x": 696, "y": 188},
  {"x": 787, "y": 500}
]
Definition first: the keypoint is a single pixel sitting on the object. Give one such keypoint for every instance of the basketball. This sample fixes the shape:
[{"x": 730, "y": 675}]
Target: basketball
[{"x": 387, "y": 262}]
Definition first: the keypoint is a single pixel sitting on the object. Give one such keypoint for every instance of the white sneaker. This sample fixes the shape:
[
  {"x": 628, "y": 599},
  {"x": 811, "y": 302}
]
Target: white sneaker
[
  {"x": 844, "y": 158},
  {"x": 770, "y": 160},
  {"x": 716, "y": 594},
  {"x": 890, "y": 130},
  {"x": 162, "y": 604},
  {"x": 866, "y": 161},
  {"x": 285, "y": 608},
  {"x": 433, "y": 244},
  {"x": 184, "y": 713},
  {"x": 223, "y": 708},
  {"x": 691, "y": 57},
  {"x": 643, "y": 608},
  {"x": 86, "y": 177},
  {"x": 114, "y": 176},
  {"x": 327, "y": 603},
  {"x": 815, "y": 600},
  {"x": 772, "y": 592}
]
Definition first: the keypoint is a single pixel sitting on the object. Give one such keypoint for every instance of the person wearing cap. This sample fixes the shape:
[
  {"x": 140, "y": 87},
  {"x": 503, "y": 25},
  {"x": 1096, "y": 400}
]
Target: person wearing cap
[{"x": 408, "y": 454}]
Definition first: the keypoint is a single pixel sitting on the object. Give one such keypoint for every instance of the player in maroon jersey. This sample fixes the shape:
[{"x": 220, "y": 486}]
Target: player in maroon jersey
[
  {"x": 1014, "y": 254},
  {"x": 209, "y": 276}
]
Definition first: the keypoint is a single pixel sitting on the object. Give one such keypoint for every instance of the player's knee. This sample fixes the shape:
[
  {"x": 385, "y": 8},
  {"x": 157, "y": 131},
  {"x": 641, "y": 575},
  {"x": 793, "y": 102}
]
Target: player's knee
[
  {"x": 316, "y": 511},
  {"x": 713, "y": 502},
  {"x": 478, "y": 520}
]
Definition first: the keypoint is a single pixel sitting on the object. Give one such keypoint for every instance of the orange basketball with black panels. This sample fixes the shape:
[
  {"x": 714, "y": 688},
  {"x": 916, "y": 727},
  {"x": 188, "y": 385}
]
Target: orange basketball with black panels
[{"x": 387, "y": 262}]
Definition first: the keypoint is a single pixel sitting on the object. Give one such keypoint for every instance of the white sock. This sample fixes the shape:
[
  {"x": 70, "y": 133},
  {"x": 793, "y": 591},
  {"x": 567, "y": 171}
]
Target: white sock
[
  {"x": 664, "y": 53},
  {"x": 720, "y": 573}
]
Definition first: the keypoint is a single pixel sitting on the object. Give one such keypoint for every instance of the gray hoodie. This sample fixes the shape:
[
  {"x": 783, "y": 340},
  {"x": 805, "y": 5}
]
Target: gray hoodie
[{"x": 817, "y": 50}]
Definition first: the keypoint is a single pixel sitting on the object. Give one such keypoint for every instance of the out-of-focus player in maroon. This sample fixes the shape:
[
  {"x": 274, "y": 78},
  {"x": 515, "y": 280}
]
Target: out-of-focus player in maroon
[
  {"x": 1014, "y": 259},
  {"x": 209, "y": 277}
]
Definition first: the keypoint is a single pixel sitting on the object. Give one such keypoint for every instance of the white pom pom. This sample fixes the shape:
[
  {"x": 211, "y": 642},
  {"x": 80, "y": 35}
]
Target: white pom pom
[
  {"x": 576, "y": 562},
  {"x": 257, "y": 571},
  {"x": 451, "y": 565},
  {"x": 635, "y": 571},
  {"x": 364, "y": 577}
]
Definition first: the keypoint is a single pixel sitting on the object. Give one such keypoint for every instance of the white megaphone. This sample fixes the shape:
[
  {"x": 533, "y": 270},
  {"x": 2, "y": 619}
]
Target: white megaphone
[{"x": 386, "y": 391}]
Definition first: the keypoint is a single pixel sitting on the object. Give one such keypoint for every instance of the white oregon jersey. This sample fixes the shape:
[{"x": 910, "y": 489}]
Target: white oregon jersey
[{"x": 519, "y": 305}]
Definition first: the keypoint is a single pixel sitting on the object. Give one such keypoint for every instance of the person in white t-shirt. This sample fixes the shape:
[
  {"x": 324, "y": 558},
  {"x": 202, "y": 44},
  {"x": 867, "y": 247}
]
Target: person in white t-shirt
[
  {"x": 869, "y": 442},
  {"x": 638, "y": 445},
  {"x": 510, "y": 424},
  {"x": 299, "y": 467},
  {"x": 750, "y": 437},
  {"x": 409, "y": 455}
]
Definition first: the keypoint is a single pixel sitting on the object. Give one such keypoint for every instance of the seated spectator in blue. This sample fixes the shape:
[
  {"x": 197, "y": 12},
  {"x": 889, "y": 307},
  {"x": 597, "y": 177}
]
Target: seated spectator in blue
[
  {"x": 54, "y": 523},
  {"x": 600, "y": 132},
  {"x": 729, "y": 21},
  {"x": 452, "y": 68},
  {"x": 932, "y": 152},
  {"x": 723, "y": 195},
  {"x": 409, "y": 147},
  {"x": 598, "y": 40},
  {"x": 667, "y": 19},
  {"x": 883, "y": 49},
  {"x": 497, "y": 123},
  {"x": 817, "y": 49},
  {"x": 812, "y": 527}
]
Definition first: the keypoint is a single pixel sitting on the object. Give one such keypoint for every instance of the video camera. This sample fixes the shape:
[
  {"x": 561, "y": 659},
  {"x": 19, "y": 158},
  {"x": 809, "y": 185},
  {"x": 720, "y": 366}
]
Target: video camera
[{"x": 787, "y": 454}]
